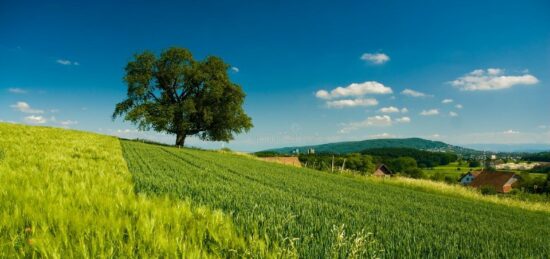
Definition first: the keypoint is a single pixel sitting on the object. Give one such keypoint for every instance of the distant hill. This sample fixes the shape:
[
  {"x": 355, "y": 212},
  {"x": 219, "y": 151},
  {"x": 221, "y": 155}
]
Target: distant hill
[{"x": 358, "y": 146}]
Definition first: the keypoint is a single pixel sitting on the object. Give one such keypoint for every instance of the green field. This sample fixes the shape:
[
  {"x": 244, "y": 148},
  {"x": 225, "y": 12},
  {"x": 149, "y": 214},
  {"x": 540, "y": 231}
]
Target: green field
[
  {"x": 73, "y": 194},
  {"x": 451, "y": 170},
  {"x": 316, "y": 214},
  {"x": 68, "y": 194}
]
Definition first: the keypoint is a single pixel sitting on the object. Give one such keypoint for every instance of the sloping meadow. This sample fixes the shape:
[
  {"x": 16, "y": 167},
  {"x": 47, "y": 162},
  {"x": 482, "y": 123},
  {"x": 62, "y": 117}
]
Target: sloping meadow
[
  {"x": 313, "y": 214},
  {"x": 69, "y": 194}
]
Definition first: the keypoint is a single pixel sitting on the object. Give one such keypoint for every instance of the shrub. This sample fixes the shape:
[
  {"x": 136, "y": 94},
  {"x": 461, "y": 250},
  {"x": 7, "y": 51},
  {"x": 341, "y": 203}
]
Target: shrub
[
  {"x": 474, "y": 163},
  {"x": 415, "y": 173},
  {"x": 487, "y": 190}
]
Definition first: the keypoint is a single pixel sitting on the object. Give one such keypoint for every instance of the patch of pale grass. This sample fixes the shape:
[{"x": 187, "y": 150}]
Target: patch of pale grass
[{"x": 461, "y": 191}]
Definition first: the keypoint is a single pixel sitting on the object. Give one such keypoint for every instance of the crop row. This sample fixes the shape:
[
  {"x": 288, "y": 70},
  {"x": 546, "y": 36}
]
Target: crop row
[{"x": 309, "y": 212}]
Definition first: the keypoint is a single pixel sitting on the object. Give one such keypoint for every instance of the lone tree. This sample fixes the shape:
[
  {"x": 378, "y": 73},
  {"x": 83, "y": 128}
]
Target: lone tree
[{"x": 176, "y": 94}]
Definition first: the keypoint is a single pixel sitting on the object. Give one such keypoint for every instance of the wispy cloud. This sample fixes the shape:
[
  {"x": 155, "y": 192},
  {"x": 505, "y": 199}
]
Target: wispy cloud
[
  {"x": 235, "y": 69},
  {"x": 67, "y": 123},
  {"x": 491, "y": 79},
  {"x": 510, "y": 131},
  {"x": 430, "y": 112},
  {"x": 393, "y": 109},
  {"x": 16, "y": 90},
  {"x": 383, "y": 135},
  {"x": 67, "y": 62},
  {"x": 352, "y": 103},
  {"x": 25, "y": 108},
  {"x": 373, "y": 121},
  {"x": 403, "y": 120},
  {"x": 390, "y": 109},
  {"x": 375, "y": 58},
  {"x": 453, "y": 114},
  {"x": 413, "y": 93},
  {"x": 35, "y": 119},
  {"x": 354, "y": 89},
  {"x": 459, "y": 106},
  {"x": 446, "y": 101}
]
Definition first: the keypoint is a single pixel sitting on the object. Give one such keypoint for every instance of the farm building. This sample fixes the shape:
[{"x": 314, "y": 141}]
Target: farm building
[
  {"x": 383, "y": 171},
  {"x": 501, "y": 181},
  {"x": 291, "y": 160},
  {"x": 469, "y": 177}
]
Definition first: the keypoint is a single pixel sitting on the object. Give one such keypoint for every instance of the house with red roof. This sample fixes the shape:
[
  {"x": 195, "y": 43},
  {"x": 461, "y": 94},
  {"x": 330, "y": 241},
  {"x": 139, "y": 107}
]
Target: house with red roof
[
  {"x": 503, "y": 182},
  {"x": 469, "y": 177}
]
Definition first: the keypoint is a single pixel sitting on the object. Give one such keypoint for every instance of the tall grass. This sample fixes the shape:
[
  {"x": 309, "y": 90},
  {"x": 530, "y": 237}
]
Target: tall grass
[
  {"x": 69, "y": 194},
  {"x": 462, "y": 192}
]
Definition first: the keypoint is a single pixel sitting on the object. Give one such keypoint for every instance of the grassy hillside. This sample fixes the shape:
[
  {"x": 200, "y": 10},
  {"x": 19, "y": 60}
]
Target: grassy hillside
[
  {"x": 314, "y": 214},
  {"x": 358, "y": 146},
  {"x": 69, "y": 194}
]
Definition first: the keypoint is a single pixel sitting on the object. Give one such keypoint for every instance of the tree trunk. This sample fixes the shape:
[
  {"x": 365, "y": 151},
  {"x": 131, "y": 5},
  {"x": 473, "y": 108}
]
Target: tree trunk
[{"x": 180, "y": 139}]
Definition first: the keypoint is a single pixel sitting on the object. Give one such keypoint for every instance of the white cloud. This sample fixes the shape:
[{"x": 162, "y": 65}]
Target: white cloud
[
  {"x": 543, "y": 126},
  {"x": 447, "y": 101},
  {"x": 25, "y": 108},
  {"x": 355, "y": 89},
  {"x": 491, "y": 79},
  {"x": 459, "y": 106},
  {"x": 453, "y": 114},
  {"x": 383, "y": 135},
  {"x": 404, "y": 119},
  {"x": 16, "y": 90},
  {"x": 430, "y": 112},
  {"x": 352, "y": 103},
  {"x": 389, "y": 109},
  {"x": 375, "y": 58},
  {"x": 235, "y": 69},
  {"x": 67, "y": 62},
  {"x": 33, "y": 119},
  {"x": 435, "y": 135},
  {"x": 510, "y": 131},
  {"x": 375, "y": 121},
  {"x": 68, "y": 123},
  {"x": 414, "y": 93},
  {"x": 393, "y": 109}
]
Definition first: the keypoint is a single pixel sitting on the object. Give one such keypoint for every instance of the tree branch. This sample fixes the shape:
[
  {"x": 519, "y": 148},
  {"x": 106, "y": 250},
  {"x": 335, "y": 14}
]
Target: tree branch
[{"x": 151, "y": 94}]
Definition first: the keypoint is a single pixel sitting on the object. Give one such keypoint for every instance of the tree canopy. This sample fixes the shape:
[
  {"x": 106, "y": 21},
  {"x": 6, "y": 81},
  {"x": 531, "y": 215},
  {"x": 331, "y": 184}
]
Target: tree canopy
[{"x": 176, "y": 94}]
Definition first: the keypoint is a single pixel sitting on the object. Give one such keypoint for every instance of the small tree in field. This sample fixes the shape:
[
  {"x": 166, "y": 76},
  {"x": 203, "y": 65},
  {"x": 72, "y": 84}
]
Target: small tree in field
[{"x": 176, "y": 94}]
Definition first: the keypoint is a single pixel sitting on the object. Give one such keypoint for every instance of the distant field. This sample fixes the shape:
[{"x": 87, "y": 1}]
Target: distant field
[
  {"x": 315, "y": 214},
  {"x": 68, "y": 194},
  {"x": 452, "y": 170}
]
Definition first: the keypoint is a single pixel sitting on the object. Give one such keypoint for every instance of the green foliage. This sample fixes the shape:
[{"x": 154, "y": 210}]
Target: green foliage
[
  {"x": 356, "y": 162},
  {"x": 401, "y": 164},
  {"x": 415, "y": 173},
  {"x": 423, "y": 158},
  {"x": 314, "y": 214},
  {"x": 474, "y": 163},
  {"x": 539, "y": 157},
  {"x": 177, "y": 94},
  {"x": 268, "y": 154},
  {"x": 68, "y": 194},
  {"x": 488, "y": 190}
]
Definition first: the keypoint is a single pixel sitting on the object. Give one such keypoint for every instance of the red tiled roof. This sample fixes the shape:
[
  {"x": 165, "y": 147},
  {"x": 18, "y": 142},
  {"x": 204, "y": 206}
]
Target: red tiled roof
[{"x": 495, "y": 179}]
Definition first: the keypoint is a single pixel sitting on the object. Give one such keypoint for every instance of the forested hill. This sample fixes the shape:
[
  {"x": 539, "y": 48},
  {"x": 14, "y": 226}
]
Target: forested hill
[{"x": 358, "y": 146}]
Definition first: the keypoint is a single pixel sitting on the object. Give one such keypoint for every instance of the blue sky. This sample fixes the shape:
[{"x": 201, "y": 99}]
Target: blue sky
[{"x": 313, "y": 71}]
